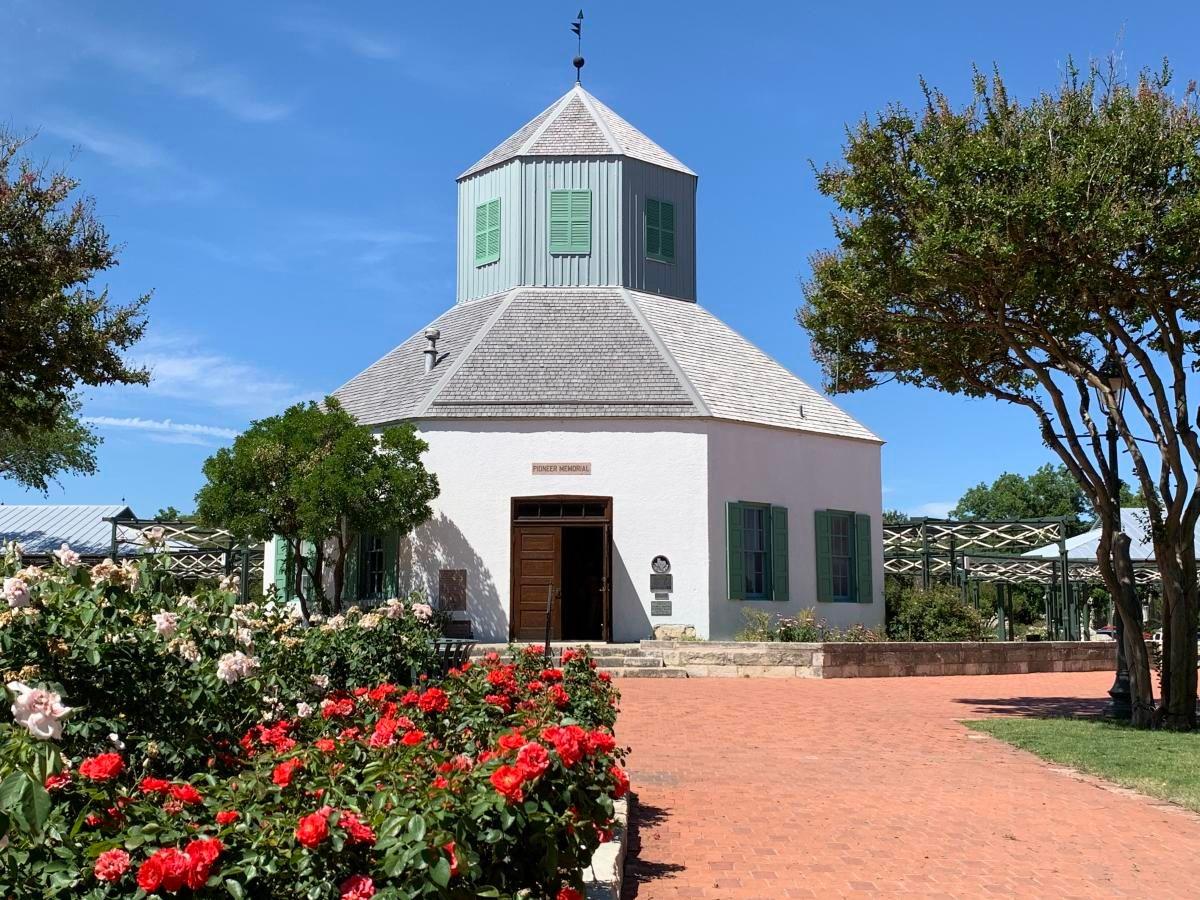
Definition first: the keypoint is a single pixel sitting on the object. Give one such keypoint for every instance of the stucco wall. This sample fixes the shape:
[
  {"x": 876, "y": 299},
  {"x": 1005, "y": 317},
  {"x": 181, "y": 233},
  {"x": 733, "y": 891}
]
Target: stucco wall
[
  {"x": 805, "y": 473},
  {"x": 655, "y": 471}
]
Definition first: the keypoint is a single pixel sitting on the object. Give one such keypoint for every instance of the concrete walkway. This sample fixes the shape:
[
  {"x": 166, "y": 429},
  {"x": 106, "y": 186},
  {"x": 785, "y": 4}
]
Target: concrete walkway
[{"x": 759, "y": 788}]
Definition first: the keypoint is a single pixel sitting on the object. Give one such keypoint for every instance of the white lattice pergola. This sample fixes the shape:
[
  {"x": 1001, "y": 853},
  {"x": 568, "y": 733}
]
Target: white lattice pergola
[{"x": 195, "y": 551}]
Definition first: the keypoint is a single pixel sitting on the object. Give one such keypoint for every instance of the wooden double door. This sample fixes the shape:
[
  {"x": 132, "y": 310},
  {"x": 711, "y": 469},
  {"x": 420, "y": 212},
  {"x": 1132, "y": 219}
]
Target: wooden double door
[{"x": 561, "y": 569}]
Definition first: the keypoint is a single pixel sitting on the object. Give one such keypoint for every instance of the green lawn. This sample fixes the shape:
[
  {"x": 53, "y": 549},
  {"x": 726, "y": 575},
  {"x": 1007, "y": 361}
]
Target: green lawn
[{"x": 1159, "y": 763}]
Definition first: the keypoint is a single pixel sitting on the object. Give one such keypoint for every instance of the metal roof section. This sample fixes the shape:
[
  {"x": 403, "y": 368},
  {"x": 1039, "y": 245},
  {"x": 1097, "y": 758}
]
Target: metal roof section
[
  {"x": 577, "y": 124},
  {"x": 43, "y": 528}
]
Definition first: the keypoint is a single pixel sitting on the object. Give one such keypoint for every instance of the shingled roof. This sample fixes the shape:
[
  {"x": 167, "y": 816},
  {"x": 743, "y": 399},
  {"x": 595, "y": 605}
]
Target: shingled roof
[
  {"x": 588, "y": 352},
  {"x": 577, "y": 124}
]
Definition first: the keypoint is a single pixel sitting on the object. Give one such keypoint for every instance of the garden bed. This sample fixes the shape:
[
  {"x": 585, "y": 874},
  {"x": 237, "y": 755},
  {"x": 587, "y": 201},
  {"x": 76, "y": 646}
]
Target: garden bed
[{"x": 217, "y": 750}]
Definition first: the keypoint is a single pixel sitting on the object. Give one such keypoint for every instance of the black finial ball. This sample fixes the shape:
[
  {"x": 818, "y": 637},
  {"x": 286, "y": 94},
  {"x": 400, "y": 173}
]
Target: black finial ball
[{"x": 577, "y": 62}]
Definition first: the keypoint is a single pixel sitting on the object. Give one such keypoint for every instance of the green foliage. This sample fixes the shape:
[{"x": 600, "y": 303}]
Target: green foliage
[
  {"x": 56, "y": 332},
  {"x": 895, "y": 517},
  {"x": 33, "y": 455},
  {"x": 936, "y": 614},
  {"x": 1049, "y": 493},
  {"x": 804, "y": 627}
]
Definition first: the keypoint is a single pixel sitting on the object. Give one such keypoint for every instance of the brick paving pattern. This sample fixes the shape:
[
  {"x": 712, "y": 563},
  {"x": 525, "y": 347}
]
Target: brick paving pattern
[{"x": 764, "y": 788}]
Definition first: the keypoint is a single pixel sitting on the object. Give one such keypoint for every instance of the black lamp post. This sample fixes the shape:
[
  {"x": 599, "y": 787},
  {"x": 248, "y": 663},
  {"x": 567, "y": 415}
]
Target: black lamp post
[{"x": 1114, "y": 376}]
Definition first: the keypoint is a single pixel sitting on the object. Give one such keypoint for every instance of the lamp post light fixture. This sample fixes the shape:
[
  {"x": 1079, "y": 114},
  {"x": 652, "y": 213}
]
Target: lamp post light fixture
[{"x": 1113, "y": 374}]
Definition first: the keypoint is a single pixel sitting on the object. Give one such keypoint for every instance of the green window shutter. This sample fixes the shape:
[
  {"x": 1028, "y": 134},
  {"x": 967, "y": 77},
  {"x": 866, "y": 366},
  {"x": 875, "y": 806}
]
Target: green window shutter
[
  {"x": 862, "y": 558},
  {"x": 350, "y": 576},
  {"x": 779, "y": 553},
  {"x": 487, "y": 232},
  {"x": 824, "y": 563},
  {"x": 660, "y": 230},
  {"x": 653, "y": 230},
  {"x": 735, "y": 561},
  {"x": 390, "y": 541},
  {"x": 570, "y": 221},
  {"x": 281, "y": 566}
]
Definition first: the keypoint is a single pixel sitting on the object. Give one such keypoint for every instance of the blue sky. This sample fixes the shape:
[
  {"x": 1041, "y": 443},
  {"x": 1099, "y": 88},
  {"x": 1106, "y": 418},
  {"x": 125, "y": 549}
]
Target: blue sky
[{"x": 282, "y": 177}]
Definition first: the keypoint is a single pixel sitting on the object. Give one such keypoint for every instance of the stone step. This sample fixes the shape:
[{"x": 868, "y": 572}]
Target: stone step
[
  {"x": 609, "y": 661},
  {"x": 635, "y": 672}
]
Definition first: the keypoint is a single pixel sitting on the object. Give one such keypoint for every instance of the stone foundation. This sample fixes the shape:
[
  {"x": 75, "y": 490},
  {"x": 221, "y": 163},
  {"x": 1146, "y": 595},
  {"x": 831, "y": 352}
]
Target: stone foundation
[{"x": 886, "y": 659}]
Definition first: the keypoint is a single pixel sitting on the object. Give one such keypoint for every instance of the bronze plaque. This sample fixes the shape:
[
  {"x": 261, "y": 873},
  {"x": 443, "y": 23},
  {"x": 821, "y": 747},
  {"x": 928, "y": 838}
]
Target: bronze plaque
[{"x": 452, "y": 590}]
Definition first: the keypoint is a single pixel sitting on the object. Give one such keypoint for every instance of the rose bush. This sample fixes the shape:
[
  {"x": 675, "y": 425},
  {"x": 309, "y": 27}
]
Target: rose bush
[{"x": 295, "y": 780}]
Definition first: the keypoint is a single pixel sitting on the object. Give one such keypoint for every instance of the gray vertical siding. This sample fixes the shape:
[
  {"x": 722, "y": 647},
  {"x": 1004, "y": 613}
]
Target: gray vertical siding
[
  {"x": 503, "y": 182},
  {"x": 642, "y": 180},
  {"x": 602, "y": 176},
  {"x": 619, "y": 187}
]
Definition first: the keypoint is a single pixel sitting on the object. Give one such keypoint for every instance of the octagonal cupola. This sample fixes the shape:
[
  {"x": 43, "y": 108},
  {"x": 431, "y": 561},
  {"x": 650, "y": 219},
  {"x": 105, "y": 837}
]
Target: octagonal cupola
[{"x": 577, "y": 197}]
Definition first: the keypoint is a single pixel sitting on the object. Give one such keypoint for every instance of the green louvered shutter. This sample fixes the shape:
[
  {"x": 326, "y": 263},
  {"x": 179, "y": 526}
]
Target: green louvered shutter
[
  {"x": 487, "y": 232},
  {"x": 667, "y": 226},
  {"x": 779, "y": 553},
  {"x": 390, "y": 586},
  {"x": 281, "y": 567},
  {"x": 735, "y": 560},
  {"x": 862, "y": 558},
  {"x": 350, "y": 576},
  {"x": 824, "y": 562},
  {"x": 653, "y": 231},
  {"x": 570, "y": 221}
]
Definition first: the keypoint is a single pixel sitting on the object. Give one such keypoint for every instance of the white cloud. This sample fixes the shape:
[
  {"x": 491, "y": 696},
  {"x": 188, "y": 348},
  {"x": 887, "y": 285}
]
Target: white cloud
[
  {"x": 165, "y": 431},
  {"x": 178, "y": 69},
  {"x": 935, "y": 509},
  {"x": 123, "y": 150},
  {"x": 321, "y": 33}
]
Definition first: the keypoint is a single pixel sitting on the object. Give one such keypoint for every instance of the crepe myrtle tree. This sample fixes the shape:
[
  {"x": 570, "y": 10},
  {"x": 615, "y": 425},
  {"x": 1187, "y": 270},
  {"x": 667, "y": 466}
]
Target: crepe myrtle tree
[
  {"x": 313, "y": 476},
  {"x": 1008, "y": 250}
]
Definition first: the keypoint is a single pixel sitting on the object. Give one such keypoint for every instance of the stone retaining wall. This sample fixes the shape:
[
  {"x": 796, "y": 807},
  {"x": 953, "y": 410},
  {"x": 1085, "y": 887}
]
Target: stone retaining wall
[{"x": 881, "y": 660}]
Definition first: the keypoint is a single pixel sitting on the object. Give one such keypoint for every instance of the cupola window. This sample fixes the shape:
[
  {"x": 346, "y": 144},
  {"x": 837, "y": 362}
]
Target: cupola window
[
  {"x": 487, "y": 232},
  {"x": 570, "y": 221},
  {"x": 660, "y": 230}
]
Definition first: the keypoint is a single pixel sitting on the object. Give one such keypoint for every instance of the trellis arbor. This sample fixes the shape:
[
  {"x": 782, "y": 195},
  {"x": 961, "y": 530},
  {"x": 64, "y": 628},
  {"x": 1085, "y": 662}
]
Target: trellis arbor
[
  {"x": 1030, "y": 552},
  {"x": 195, "y": 551}
]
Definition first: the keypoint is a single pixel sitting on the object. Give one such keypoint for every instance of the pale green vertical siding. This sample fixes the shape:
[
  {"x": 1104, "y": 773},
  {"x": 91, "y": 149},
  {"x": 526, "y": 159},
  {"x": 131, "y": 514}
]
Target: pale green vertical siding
[
  {"x": 503, "y": 184},
  {"x": 602, "y": 266},
  {"x": 642, "y": 180}
]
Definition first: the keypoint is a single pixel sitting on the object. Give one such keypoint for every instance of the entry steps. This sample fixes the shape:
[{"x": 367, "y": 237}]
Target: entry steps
[{"x": 618, "y": 660}]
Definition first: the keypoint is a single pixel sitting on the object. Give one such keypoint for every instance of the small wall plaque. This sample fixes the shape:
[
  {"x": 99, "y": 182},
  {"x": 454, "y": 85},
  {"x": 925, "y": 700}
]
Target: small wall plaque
[
  {"x": 662, "y": 583},
  {"x": 660, "y": 605},
  {"x": 660, "y": 565},
  {"x": 562, "y": 468},
  {"x": 452, "y": 590}
]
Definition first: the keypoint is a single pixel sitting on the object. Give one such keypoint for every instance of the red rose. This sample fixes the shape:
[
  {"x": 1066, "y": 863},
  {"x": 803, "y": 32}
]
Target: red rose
[
  {"x": 227, "y": 817},
  {"x": 412, "y": 738},
  {"x": 434, "y": 700},
  {"x": 185, "y": 793},
  {"x": 439, "y": 783},
  {"x": 385, "y": 732},
  {"x": 511, "y": 741},
  {"x": 312, "y": 829},
  {"x": 358, "y": 830},
  {"x": 283, "y": 773},
  {"x": 337, "y": 706},
  {"x": 111, "y": 865},
  {"x": 150, "y": 874},
  {"x": 533, "y": 760},
  {"x": 500, "y": 700},
  {"x": 622, "y": 787},
  {"x": 167, "y": 868},
  {"x": 507, "y": 781},
  {"x": 202, "y": 853},
  {"x": 381, "y": 693},
  {"x": 568, "y": 742},
  {"x": 600, "y": 742},
  {"x": 560, "y": 697},
  {"x": 325, "y": 745},
  {"x": 568, "y": 893},
  {"x": 412, "y": 698},
  {"x": 56, "y": 780},
  {"x": 149, "y": 785},
  {"x": 104, "y": 767},
  {"x": 551, "y": 675},
  {"x": 449, "y": 848},
  {"x": 357, "y": 887}
]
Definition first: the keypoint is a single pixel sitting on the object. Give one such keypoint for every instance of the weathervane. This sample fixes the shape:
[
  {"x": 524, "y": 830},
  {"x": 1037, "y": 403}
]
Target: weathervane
[{"x": 577, "y": 27}]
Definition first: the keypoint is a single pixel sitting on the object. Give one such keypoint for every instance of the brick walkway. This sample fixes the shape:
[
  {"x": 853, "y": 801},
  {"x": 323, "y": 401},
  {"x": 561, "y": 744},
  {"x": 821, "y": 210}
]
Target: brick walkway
[{"x": 852, "y": 788}]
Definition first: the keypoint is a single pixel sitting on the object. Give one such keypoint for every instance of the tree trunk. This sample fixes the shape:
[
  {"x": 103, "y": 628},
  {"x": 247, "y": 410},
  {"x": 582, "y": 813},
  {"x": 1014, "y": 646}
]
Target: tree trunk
[
  {"x": 298, "y": 576},
  {"x": 1137, "y": 659},
  {"x": 319, "y": 576},
  {"x": 1179, "y": 641}
]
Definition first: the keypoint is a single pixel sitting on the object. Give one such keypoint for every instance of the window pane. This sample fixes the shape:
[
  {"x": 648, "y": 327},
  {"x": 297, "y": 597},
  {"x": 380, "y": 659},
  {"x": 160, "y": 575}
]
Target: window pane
[
  {"x": 754, "y": 537},
  {"x": 841, "y": 551}
]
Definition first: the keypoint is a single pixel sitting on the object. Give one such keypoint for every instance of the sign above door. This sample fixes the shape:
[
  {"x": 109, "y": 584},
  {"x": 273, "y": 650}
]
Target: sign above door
[{"x": 562, "y": 468}]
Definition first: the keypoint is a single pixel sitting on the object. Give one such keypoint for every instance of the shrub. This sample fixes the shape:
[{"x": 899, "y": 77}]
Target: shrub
[
  {"x": 936, "y": 614},
  {"x": 499, "y": 779},
  {"x": 804, "y": 627}
]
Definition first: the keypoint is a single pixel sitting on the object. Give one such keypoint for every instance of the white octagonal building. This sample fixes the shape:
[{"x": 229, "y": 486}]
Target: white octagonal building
[{"x": 607, "y": 448}]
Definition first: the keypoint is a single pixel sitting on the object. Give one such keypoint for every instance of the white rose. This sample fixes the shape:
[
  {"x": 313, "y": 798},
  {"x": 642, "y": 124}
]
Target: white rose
[
  {"x": 67, "y": 557},
  {"x": 235, "y": 666},
  {"x": 304, "y": 710},
  {"x": 16, "y": 592},
  {"x": 422, "y": 611},
  {"x": 38, "y": 711},
  {"x": 394, "y": 609},
  {"x": 165, "y": 623},
  {"x": 320, "y": 681}
]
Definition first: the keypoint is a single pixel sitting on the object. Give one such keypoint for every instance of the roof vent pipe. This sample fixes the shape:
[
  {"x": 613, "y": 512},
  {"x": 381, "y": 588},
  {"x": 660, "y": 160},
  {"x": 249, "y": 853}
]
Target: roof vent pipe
[{"x": 431, "y": 335}]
